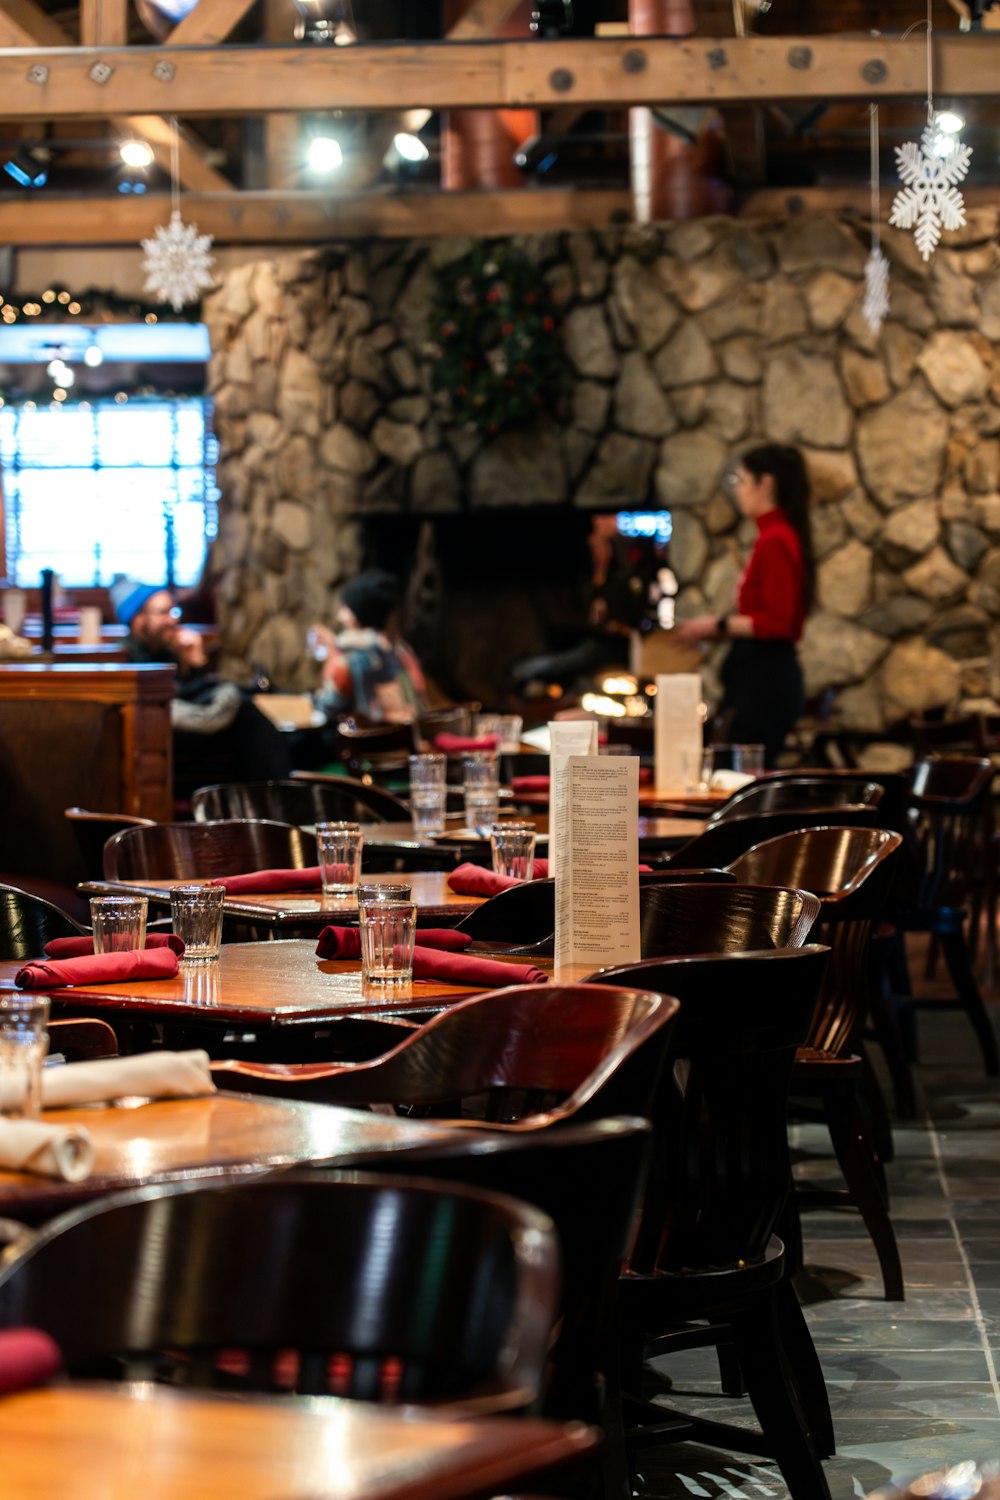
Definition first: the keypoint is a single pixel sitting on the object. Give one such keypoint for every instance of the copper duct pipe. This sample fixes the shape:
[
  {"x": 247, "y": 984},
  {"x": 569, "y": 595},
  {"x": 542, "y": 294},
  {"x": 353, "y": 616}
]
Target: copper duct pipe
[{"x": 478, "y": 145}]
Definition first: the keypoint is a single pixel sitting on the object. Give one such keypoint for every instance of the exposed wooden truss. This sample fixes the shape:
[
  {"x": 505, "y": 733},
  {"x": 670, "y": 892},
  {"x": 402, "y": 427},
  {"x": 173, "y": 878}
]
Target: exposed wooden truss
[{"x": 612, "y": 73}]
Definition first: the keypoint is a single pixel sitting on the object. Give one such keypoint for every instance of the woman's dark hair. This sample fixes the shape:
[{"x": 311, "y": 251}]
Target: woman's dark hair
[{"x": 791, "y": 494}]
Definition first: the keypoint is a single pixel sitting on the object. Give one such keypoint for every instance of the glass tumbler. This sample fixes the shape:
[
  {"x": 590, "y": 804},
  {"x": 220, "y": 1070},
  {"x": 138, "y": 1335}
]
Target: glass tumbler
[
  {"x": 698, "y": 766},
  {"x": 388, "y": 931},
  {"x": 340, "y": 846},
  {"x": 509, "y": 730},
  {"x": 512, "y": 846},
  {"x": 384, "y": 890},
  {"x": 196, "y": 917},
  {"x": 486, "y": 725},
  {"x": 482, "y": 791},
  {"x": 119, "y": 922},
  {"x": 23, "y": 1045},
  {"x": 428, "y": 792}
]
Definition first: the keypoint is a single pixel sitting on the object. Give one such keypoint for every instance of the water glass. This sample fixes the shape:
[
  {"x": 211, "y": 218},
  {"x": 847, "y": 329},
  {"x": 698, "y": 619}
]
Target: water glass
[
  {"x": 485, "y": 726},
  {"x": 388, "y": 931},
  {"x": 512, "y": 846},
  {"x": 428, "y": 792},
  {"x": 384, "y": 890},
  {"x": 509, "y": 727},
  {"x": 119, "y": 923},
  {"x": 196, "y": 917},
  {"x": 23, "y": 1045},
  {"x": 482, "y": 791},
  {"x": 697, "y": 767},
  {"x": 339, "y": 846},
  {"x": 748, "y": 760}
]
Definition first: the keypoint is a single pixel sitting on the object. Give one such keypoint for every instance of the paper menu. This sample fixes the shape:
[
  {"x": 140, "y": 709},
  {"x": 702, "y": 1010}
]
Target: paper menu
[
  {"x": 567, "y": 737},
  {"x": 597, "y": 879},
  {"x": 678, "y": 730}
]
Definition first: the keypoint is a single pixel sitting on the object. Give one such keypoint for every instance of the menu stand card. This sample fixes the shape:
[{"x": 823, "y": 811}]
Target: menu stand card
[
  {"x": 597, "y": 880},
  {"x": 678, "y": 732},
  {"x": 566, "y": 737}
]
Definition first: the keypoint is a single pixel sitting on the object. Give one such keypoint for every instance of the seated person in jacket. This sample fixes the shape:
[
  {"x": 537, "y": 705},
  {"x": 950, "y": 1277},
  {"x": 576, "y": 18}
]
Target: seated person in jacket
[
  {"x": 219, "y": 735},
  {"x": 367, "y": 668}
]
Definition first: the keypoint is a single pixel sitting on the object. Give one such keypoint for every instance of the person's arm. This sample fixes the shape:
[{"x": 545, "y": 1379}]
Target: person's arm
[
  {"x": 779, "y": 579},
  {"x": 712, "y": 628}
]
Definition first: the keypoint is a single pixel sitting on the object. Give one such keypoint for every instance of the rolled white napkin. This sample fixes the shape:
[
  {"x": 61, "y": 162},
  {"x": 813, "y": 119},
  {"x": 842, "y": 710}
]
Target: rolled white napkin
[
  {"x": 64, "y": 1151},
  {"x": 730, "y": 781},
  {"x": 154, "y": 1075}
]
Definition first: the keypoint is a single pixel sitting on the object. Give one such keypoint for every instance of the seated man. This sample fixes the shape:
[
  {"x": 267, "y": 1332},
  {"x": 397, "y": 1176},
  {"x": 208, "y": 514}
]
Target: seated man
[
  {"x": 219, "y": 735},
  {"x": 367, "y": 668}
]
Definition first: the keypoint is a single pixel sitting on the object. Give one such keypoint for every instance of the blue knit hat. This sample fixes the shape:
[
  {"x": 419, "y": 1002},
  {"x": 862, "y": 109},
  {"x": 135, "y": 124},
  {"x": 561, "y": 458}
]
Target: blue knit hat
[{"x": 128, "y": 596}]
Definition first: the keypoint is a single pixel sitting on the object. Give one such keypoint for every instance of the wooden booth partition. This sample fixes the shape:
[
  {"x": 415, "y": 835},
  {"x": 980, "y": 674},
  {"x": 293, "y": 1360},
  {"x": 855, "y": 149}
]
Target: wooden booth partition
[{"x": 94, "y": 736}]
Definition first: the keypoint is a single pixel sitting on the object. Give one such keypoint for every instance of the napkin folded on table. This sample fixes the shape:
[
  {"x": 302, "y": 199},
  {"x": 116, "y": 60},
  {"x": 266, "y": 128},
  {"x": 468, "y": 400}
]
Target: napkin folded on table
[
  {"x": 459, "y": 744},
  {"x": 153, "y": 1075},
  {"x": 271, "y": 882},
  {"x": 64, "y": 1151},
  {"x": 730, "y": 781},
  {"x": 98, "y": 968},
  {"x": 345, "y": 942},
  {"x": 28, "y": 1357},
  {"x": 79, "y": 947},
  {"x": 464, "y": 968}
]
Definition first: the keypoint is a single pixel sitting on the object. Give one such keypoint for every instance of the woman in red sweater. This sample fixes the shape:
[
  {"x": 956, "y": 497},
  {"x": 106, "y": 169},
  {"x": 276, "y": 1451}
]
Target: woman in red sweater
[{"x": 761, "y": 676}]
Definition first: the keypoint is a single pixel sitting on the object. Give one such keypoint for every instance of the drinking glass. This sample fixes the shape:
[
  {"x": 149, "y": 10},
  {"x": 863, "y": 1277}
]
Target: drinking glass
[
  {"x": 485, "y": 725},
  {"x": 746, "y": 759},
  {"x": 509, "y": 727},
  {"x": 119, "y": 922},
  {"x": 428, "y": 792},
  {"x": 384, "y": 890},
  {"x": 512, "y": 846},
  {"x": 23, "y": 1045},
  {"x": 482, "y": 791},
  {"x": 339, "y": 846},
  {"x": 388, "y": 931},
  {"x": 697, "y": 767},
  {"x": 196, "y": 917}
]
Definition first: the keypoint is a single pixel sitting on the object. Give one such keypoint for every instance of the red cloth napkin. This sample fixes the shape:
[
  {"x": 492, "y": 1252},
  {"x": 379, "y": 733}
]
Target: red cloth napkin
[
  {"x": 472, "y": 880},
  {"x": 98, "y": 968},
  {"x": 464, "y": 968},
  {"x": 345, "y": 942},
  {"x": 28, "y": 1357},
  {"x": 79, "y": 947},
  {"x": 458, "y": 744},
  {"x": 271, "y": 882}
]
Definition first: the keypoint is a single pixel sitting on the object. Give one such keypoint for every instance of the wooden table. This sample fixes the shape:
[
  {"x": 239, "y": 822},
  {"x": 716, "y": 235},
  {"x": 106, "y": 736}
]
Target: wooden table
[
  {"x": 264, "y": 985},
  {"x": 656, "y": 834},
  {"x": 92, "y": 1442},
  {"x": 159, "y": 1141},
  {"x": 305, "y": 911}
]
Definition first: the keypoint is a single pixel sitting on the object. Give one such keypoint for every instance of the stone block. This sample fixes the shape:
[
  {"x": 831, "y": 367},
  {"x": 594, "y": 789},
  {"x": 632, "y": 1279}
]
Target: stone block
[
  {"x": 901, "y": 446},
  {"x": 587, "y": 339},
  {"x": 916, "y": 677},
  {"x": 844, "y": 578},
  {"x": 620, "y": 473},
  {"x": 690, "y": 469},
  {"x": 687, "y": 359},
  {"x": 640, "y": 405},
  {"x": 804, "y": 400},
  {"x": 954, "y": 367}
]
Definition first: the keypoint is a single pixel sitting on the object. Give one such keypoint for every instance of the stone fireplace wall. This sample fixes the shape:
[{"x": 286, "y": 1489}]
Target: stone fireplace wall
[{"x": 684, "y": 344}]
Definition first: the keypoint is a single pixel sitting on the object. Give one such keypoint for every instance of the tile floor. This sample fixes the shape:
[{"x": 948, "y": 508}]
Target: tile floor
[{"x": 913, "y": 1385}]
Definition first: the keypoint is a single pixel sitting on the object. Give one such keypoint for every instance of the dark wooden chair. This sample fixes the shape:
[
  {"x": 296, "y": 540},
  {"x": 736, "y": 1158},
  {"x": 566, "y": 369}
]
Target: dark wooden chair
[
  {"x": 799, "y": 793},
  {"x": 372, "y": 752},
  {"x": 27, "y": 923},
  {"x": 306, "y": 799},
  {"x": 723, "y": 918},
  {"x": 92, "y": 831},
  {"x": 722, "y": 842},
  {"x": 947, "y": 866},
  {"x": 707, "y": 1267},
  {"x": 960, "y": 734},
  {"x": 895, "y": 788},
  {"x": 851, "y": 870},
  {"x": 451, "y": 718},
  {"x": 375, "y": 1288},
  {"x": 82, "y": 1040},
  {"x": 193, "y": 851},
  {"x": 525, "y": 1057}
]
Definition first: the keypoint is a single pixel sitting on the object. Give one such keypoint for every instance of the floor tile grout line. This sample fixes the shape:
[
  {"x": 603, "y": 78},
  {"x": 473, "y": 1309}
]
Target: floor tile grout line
[{"x": 977, "y": 1310}]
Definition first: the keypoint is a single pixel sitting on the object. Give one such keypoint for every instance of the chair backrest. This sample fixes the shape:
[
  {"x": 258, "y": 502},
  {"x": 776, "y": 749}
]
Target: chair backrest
[
  {"x": 721, "y": 1166},
  {"x": 92, "y": 831},
  {"x": 81, "y": 1039},
  {"x": 895, "y": 788},
  {"x": 27, "y": 923},
  {"x": 302, "y": 801},
  {"x": 720, "y": 843},
  {"x": 369, "y": 750},
  {"x": 454, "y": 718},
  {"x": 575, "y": 1051},
  {"x": 800, "y": 793},
  {"x": 949, "y": 829},
  {"x": 191, "y": 851},
  {"x": 852, "y": 871},
  {"x": 724, "y": 918},
  {"x": 960, "y": 732},
  {"x": 371, "y": 1287}
]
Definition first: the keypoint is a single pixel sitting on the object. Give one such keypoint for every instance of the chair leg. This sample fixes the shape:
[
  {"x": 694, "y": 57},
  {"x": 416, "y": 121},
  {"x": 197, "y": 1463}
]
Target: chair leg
[
  {"x": 614, "y": 1459},
  {"x": 873, "y": 1103},
  {"x": 730, "y": 1374},
  {"x": 887, "y": 1033},
  {"x": 854, "y": 1156},
  {"x": 772, "y": 1391},
  {"x": 957, "y": 958},
  {"x": 804, "y": 1361}
]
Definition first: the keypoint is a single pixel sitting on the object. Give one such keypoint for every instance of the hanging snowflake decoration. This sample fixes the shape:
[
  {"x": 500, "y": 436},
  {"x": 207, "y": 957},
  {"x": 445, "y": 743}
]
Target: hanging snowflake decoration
[
  {"x": 177, "y": 263},
  {"x": 930, "y": 198},
  {"x": 875, "y": 306}
]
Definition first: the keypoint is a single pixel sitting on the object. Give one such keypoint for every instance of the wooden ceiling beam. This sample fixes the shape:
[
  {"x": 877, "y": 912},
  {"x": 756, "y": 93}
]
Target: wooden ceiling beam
[
  {"x": 194, "y": 172},
  {"x": 611, "y": 73},
  {"x": 103, "y": 23},
  {"x": 789, "y": 202},
  {"x": 25, "y": 24},
  {"x": 208, "y": 23},
  {"x": 280, "y": 218}
]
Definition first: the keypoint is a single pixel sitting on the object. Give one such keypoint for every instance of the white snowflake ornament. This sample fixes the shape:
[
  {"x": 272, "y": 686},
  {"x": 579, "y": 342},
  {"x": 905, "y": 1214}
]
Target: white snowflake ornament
[
  {"x": 930, "y": 198},
  {"x": 177, "y": 263},
  {"x": 875, "y": 306}
]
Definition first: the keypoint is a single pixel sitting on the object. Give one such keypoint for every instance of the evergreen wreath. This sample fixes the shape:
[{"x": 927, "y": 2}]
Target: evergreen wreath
[{"x": 496, "y": 354}]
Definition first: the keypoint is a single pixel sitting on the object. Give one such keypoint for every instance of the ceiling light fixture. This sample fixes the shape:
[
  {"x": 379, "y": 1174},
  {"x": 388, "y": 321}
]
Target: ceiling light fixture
[
  {"x": 25, "y": 169},
  {"x": 93, "y": 356},
  {"x": 410, "y": 147},
  {"x": 324, "y": 154},
  {"x": 325, "y": 22},
  {"x": 136, "y": 154}
]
